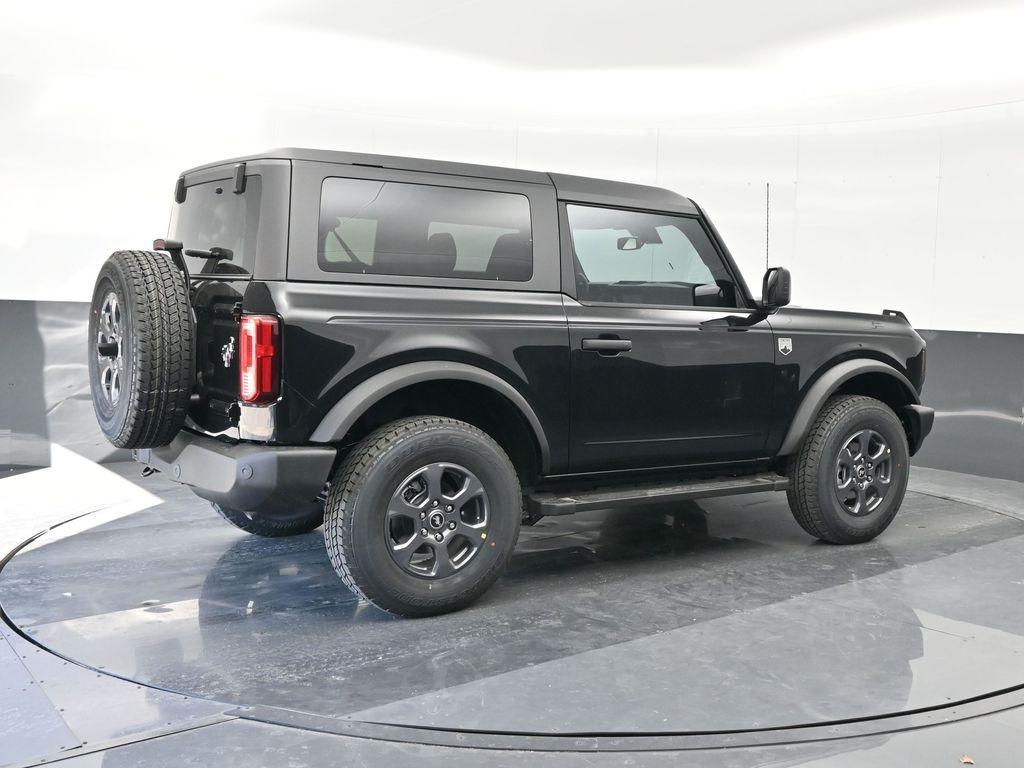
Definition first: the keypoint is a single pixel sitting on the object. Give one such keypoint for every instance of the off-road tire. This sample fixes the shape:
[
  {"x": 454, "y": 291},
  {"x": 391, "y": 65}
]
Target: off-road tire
[
  {"x": 269, "y": 526},
  {"x": 156, "y": 349},
  {"x": 357, "y": 504},
  {"x": 811, "y": 494}
]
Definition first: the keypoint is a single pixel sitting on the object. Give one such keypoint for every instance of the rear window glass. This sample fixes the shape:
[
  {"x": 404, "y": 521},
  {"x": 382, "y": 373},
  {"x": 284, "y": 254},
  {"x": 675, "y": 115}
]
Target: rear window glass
[
  {"x": 392, "y": 228},
  {"x": 214, "y": 216}
]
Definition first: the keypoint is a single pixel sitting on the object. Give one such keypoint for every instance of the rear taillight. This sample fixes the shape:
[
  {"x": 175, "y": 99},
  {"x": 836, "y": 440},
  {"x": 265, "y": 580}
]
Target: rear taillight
[{"x": 258, "y": 365}]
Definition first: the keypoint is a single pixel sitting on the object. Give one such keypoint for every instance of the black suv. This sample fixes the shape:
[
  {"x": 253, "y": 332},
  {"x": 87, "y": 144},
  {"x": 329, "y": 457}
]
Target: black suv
[{"x": 424, "y": 356}]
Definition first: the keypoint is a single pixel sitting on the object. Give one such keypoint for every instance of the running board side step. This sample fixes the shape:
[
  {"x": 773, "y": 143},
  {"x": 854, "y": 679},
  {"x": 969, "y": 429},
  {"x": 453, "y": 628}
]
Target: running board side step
[{"x": 546, "y": 503}]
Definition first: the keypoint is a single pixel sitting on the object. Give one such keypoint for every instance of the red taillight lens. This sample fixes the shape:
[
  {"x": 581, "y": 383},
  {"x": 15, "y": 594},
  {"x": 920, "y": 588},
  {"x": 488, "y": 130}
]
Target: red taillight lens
[{"x": 259, "y": 342}]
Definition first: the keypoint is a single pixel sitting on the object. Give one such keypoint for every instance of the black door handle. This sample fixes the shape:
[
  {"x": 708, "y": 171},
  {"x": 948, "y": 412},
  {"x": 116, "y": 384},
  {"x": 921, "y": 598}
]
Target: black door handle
[{"x": 607, "y": 346}]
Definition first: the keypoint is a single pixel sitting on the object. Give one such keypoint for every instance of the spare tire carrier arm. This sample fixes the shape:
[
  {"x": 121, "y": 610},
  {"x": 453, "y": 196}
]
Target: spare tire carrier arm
[{"x": 174, "y": 248}]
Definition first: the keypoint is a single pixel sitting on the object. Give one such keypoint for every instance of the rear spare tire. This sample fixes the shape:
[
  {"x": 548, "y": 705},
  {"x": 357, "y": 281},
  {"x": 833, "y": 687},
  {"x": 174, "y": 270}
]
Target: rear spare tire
[{"x": 141, "y": 349}]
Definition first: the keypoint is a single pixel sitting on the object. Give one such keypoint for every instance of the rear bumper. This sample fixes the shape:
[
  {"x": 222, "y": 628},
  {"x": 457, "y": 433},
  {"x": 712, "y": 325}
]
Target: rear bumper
[
  {"x": 244, "y": 476},
  {"x": 919, "y": 420}
]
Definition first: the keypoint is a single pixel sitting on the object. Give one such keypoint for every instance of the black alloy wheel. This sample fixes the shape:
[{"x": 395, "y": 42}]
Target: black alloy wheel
[
  {"x": 437, "y": 520},
  {"x": 863, "y": 472}
]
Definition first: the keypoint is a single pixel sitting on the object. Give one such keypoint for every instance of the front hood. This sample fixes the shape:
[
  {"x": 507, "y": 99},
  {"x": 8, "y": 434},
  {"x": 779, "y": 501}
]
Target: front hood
[{"x": 832, "y": 321}]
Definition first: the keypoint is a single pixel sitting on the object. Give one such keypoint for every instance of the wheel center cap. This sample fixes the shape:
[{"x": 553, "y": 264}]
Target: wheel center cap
[
  {"x": 436, "y": 521},
  {"x": 861, "y": 472}
]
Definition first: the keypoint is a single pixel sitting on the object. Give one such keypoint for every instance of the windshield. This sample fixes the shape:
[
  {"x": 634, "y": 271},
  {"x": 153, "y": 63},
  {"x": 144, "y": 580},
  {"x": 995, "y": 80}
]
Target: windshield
[{"x": 213, "y": 216}]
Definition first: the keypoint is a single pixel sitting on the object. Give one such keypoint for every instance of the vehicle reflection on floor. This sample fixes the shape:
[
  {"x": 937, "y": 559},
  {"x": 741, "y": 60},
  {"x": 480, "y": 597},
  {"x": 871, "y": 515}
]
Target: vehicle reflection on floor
[{"x": 697, "y": 616}]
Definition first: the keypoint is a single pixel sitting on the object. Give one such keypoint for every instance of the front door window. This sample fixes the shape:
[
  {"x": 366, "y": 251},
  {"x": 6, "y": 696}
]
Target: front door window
[{"x": 633, "y": 257}]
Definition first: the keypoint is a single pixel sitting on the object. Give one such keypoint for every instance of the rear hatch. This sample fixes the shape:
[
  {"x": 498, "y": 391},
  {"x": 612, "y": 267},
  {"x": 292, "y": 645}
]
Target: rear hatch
[{"x": 218, "y": 225}]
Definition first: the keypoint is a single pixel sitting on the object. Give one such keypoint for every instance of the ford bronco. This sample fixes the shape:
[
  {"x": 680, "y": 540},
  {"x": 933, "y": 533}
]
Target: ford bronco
[{"x": 423, "y": 356}]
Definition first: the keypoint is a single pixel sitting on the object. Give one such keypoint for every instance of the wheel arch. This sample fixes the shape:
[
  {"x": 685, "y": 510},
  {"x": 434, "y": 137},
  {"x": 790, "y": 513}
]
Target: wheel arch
[
  {"x": 855, "y": 377},
  {"x": 340, "y": 421}
]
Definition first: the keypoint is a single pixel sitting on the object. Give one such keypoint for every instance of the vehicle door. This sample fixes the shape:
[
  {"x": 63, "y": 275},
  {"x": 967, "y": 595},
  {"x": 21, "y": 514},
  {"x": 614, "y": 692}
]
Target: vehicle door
[{"x": 671, "y": 362}]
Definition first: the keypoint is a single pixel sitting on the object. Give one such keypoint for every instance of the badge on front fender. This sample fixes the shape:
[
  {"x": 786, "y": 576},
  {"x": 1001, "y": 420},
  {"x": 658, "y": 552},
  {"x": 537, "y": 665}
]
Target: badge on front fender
[{"x": 785, "y": 345}]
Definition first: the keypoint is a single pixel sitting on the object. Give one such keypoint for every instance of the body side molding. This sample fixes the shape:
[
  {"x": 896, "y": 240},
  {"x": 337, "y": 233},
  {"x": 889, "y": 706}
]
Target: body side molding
[
  {"x": 345, "y": 412},
  {"x": 826, "y": 385}
]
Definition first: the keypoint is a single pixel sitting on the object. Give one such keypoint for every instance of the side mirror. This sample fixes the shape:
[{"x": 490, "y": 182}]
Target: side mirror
[
  {"x": 628, "y": 243},
  {"x": 775, "y": 289}
]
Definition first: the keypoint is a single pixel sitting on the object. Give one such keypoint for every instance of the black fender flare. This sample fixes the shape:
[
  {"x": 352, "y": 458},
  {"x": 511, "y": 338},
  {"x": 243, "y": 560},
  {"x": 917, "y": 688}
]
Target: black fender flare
[
  {"x": 826, "y": 385},
  {"x": 340, "y": 418}
]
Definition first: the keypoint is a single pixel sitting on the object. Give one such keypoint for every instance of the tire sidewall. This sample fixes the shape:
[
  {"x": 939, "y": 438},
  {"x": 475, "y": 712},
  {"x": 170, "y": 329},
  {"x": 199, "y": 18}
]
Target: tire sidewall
[
  {"x": 113, "y": 420},
  {"x": 882, "y": 420},
  {"x": 369, "y": 502}
]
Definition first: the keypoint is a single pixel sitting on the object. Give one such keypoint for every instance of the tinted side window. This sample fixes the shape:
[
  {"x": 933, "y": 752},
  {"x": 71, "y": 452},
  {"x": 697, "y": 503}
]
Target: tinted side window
[
  {"x": 631, "y": 257},
  {"x": 392, "y": 228}
]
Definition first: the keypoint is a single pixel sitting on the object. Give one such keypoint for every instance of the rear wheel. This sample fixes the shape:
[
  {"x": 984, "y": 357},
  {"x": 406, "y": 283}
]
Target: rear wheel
[
  {"x": 272, "y": 526},
  {"x": 849, "y": 478},
  {"x": 141, "y": 349},
  {"x": 423, "y": 515}
]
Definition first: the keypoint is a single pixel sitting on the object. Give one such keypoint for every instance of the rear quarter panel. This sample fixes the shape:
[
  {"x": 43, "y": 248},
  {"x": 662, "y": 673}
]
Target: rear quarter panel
[{"x": 337, "y": 335}]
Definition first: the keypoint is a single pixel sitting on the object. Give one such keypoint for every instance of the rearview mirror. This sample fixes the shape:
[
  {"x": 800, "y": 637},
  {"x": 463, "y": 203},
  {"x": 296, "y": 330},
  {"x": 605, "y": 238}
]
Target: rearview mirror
[
  {"x": 775, "y": 289},
  {"x": 629, "y": 243}
]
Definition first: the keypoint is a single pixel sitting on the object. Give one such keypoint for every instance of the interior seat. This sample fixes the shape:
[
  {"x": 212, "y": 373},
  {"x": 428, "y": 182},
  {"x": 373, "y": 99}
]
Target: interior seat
[
  {"x": 442, "y": 254},
  {"x": 511, "y": 258},
  {"x": 434, "y": 257}
]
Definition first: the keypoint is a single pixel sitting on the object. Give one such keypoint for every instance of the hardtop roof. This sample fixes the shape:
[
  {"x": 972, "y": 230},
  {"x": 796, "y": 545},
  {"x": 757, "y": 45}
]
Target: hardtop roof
[{"x": 569, "y": 188}]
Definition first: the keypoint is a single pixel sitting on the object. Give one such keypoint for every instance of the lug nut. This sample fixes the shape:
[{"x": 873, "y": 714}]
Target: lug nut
[
  {"x": 423, "y": 531},
  {"x": 433, "y": 503},
  {"x": 449, "y": 508},
  {"x": 438, "y": 536},
  {"x": 451, "y": 525},
  {"x": 422, "y": 515}
]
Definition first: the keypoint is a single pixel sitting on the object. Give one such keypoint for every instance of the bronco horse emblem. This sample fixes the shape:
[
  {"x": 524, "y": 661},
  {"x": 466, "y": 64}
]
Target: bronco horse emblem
[{"x": 227, "y": 352}]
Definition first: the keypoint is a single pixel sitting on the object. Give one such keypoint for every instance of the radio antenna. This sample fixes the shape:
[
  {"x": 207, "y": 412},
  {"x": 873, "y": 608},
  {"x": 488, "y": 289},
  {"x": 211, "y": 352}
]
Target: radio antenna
[{"x": 767, "y": 214}]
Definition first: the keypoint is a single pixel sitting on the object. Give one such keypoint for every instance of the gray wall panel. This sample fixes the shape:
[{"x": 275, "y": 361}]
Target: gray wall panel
[
  {"x": 24, "y": 436},
  {"x": 46, "y": 384},
  {"x": 975, "y": 382}
]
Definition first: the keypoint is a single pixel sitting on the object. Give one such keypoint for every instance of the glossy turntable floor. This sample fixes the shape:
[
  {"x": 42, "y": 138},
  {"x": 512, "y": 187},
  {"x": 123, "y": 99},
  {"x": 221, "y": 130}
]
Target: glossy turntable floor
[{"x": 718, "y": 616}]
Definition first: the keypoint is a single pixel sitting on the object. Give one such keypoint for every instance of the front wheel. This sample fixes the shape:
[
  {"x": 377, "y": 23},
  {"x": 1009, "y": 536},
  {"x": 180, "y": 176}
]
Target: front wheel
[
  {"x": 849, "y": 478},
  {"x": 423, "y": 515}
]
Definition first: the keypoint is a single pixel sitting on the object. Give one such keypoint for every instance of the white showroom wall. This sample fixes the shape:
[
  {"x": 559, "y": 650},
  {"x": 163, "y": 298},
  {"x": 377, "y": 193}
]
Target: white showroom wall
[{"x": 893, "y": 144}]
